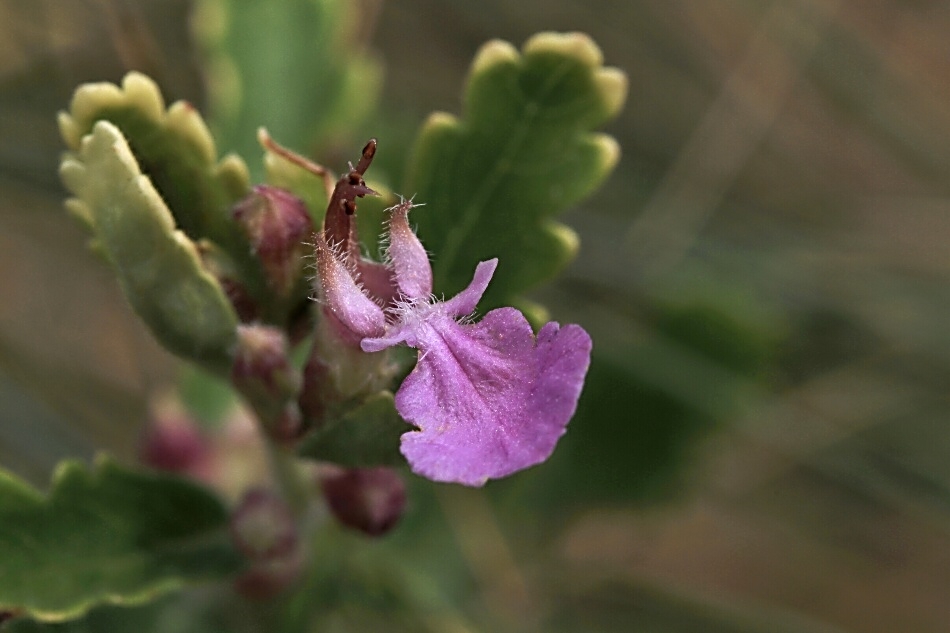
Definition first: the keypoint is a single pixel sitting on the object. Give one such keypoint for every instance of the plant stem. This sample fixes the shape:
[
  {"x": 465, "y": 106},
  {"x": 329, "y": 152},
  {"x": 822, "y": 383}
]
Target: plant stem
[{"x": 289, "y": 476}]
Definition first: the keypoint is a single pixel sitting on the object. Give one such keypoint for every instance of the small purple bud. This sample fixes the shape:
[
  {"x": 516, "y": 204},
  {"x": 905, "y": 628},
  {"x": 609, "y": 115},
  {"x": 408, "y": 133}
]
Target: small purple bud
[
  {"x": 276, "y": 223},
  {"x": 370, "y": 500},
  {"x": 173, "y": 443},
  {"x": 269, "y": 578},
  {"x": 262, "y": 526},
  {"x": 263, "y": 373},
  {"x": 409, "y": 260},
  {"x": 175, "y": 448},
  {"x": 263, "y": 529}
]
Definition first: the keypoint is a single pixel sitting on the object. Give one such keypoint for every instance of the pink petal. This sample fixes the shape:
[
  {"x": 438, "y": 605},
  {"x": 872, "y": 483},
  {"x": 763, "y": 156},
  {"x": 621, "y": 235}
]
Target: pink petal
[
  {"x": 409, "y": 259},
  {"x": 488, "y": 399},
  {"x": 343, "y": 297},
  {"x": 415, "y": 314},
  {"x": 463, "y": 304}
]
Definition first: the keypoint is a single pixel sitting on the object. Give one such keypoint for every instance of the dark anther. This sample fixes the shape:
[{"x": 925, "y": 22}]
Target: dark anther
[
  {"x": 369, "y": 150},
  {"x": 337, "y": 223}
]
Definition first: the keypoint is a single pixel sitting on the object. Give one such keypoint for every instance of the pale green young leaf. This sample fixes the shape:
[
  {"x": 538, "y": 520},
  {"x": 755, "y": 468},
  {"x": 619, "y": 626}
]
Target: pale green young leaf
[
  {"x": 158, "y": 266},
  {"x": 174, "y": 148},
  {"x": 106, "y": 535}
]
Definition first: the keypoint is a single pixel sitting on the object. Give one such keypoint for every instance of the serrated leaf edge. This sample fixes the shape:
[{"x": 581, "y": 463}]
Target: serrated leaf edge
[
  {"x": 142, "y": 93},
  {"x": 65, "y": 471},
  {"x": 74, "y": 171}
]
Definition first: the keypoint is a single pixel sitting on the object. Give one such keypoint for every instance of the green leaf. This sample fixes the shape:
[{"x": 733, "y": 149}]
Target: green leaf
[
  {"x": 295, "y": 69},
  {"x": 106, "y": 535},
  {"x": 174, "y": 148},
  {"x": 207, "y": 397},
  {"x": 365, "y": 436},
  {"x": 158, "y": 267},
  {"x": 523, "y": 151}
]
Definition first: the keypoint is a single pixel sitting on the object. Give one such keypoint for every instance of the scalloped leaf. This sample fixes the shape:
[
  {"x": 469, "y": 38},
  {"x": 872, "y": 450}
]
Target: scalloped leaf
[
  {"x": 365, "y": 436},
  {"x": 106, "y": 535},
  {"x": 523, "y": 152},
  {"x": 174, "y": 148},
  {"x": 158, "y": 267},
  {"x": 334, "y": 84}
]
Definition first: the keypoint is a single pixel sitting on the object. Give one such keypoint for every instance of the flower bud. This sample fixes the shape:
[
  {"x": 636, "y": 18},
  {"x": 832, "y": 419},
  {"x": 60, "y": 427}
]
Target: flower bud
[
  {"x": 263, "y": 373},
  {"x": 173, "y": 443},
  {"x": 268, "y": 578},
  {"x": 370, "y": 500},
  {"x": 263, "y": 529},
  {"x": 276, "y": 222},
  {"x": 173, "y": 447},
  {"x": 262, "y": 526}
]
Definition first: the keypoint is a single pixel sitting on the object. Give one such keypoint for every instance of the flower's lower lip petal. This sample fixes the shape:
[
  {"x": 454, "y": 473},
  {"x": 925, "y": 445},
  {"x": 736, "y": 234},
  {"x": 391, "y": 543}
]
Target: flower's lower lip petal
[{"x": 488, "y": 401}]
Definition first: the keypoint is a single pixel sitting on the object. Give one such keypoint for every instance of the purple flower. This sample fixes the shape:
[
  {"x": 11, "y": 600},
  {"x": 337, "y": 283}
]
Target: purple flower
[{"x": 487, "y": 397}]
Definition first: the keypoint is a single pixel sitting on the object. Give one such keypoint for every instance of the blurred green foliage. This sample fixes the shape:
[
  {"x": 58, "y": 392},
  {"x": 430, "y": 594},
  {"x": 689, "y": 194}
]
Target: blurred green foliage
[{"x": 109, "y": 535}]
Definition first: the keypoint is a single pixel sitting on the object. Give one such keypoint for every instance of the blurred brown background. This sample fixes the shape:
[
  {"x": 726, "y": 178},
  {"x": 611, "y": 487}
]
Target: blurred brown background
[
  {"x": 801, "y": 149},
  {"x": 797, "y": 150}
]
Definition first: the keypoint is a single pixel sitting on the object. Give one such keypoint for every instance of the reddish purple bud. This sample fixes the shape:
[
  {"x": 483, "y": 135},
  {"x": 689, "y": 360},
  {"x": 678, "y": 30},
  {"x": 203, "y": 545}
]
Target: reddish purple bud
[
  {"x": 269, "y": 578},
  {"x": 276, "y": 223},
  {"x": 261, "y": 362},
  {"x": 263, "y": 529},
  {"x": 409, "y": 260},
  {"x": 263, "y": 373},
  {"x": 370, "y": 500},
  {"x": 173, "y": 448},
  {"x": 173, "y": 443},
  {"x": 262, "y": 526}
]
